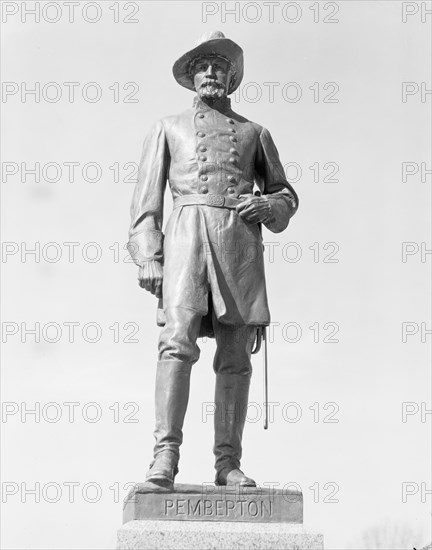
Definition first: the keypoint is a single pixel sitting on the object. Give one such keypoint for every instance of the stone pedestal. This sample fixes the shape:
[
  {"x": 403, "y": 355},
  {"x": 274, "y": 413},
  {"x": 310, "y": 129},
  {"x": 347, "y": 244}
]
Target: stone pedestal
[
  {"x": 188, "y": 535},
  {"x": 206, "y": 517},
  {"x": 207, "y": 502}
]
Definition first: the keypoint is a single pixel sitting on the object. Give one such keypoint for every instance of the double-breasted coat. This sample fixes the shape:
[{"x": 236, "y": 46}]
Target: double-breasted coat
[{"x": 212, "y": 258}]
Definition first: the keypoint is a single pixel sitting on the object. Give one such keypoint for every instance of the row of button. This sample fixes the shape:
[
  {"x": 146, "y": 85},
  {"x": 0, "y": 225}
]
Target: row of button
[
  {"x": 229, "y": 120},
  {"x": 203, "y": 158},
  {"x": 232, "y": 138},
  {"x": 205, "y": 190},
  {"x": 233, "y": 151},
  {"x": 232, "y": 159},
  {"x": 232, "y": 179}
]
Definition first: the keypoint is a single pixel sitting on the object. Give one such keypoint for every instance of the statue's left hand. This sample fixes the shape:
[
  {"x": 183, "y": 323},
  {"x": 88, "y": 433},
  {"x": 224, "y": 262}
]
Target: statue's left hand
[{"x": 254, "y": 209}]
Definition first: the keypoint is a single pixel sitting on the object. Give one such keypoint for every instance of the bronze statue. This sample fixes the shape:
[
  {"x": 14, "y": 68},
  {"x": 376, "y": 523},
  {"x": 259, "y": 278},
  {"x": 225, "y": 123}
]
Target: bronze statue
[{"x": 208, "y": 269}]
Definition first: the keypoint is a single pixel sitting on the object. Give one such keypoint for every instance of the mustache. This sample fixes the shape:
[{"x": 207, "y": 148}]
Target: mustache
[{"x": 212, "y": 83}]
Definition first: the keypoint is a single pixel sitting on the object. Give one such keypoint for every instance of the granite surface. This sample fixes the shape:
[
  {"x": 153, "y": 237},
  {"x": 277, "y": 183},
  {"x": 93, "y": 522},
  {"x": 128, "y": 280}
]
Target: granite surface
[{"x": 187, "y": 535}]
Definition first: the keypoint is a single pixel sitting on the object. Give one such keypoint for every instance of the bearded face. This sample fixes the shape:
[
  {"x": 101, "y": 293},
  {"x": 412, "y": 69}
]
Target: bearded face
[
  {"x": 211, "y": 76},
  {"x": 211, "y": 90}
]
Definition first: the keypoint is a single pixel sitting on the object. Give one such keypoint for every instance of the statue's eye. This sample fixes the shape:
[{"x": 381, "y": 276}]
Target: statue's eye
[{"x": 201, "y": 67}]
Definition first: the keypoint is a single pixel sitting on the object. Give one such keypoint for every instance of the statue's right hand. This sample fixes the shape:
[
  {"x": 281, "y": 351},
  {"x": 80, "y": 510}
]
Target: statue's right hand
[{"x": 150, "y": 277}]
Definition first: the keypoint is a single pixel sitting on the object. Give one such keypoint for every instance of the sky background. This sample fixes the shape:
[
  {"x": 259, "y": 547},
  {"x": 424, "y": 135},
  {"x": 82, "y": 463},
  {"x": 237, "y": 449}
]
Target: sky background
[{"x": 352, "y": 472}]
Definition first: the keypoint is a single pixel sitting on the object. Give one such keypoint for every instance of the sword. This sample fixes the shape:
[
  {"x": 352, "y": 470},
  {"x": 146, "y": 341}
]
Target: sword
[{"x": 262, "y": 337}]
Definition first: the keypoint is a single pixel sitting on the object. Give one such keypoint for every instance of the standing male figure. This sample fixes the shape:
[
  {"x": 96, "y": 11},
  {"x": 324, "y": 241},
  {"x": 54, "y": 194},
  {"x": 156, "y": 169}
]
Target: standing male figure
[{"x": 208, "y": 270}]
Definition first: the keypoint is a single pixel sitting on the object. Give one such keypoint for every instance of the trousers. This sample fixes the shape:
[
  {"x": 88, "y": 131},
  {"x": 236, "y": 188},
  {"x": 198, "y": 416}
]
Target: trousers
[
  {"x": 178, "y": 351},
  {"x": 178, "y": 341}
]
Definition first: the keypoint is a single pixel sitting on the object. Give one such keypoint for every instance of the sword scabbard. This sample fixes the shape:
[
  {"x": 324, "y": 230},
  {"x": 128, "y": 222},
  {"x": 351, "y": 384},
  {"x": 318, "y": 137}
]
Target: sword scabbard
[{"x": 265, "y": 369}]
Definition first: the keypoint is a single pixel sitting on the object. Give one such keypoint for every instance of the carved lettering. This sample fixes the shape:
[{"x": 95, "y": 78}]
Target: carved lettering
[
  {"x": 266, "y": 512},
  {"x": 230, "y": 506},
  {"x": 168, "y": 504},
  {"x": 194, "y": 511},
  {"x": 208, "y": 508},
  {"x": 253, "y": 508},
  {"x": 224, "y": 507},
  {"x": 219, "y": 508},
  {"x": 180, "y": 506}
]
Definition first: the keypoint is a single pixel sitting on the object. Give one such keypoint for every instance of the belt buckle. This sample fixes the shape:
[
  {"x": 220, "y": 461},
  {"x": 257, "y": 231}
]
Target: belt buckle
[{"x": 215, "y": 200}]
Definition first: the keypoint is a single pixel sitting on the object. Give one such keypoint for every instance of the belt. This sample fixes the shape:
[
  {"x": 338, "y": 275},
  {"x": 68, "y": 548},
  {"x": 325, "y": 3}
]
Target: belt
[{"x": 219, "y": 201}]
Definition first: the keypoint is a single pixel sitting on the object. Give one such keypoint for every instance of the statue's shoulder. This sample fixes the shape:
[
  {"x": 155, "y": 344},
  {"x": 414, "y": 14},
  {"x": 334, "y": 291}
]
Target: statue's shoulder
[{"x": 171, "y": 121}]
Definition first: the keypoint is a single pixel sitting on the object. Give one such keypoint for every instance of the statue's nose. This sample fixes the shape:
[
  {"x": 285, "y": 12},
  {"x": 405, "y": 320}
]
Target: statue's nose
[{"x": 210, "y": 71}]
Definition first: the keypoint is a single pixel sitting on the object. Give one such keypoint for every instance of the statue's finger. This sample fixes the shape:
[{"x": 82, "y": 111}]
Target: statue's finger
[
  {"x": 159, "y": 290},
  {"x": 240, "y": 207}
]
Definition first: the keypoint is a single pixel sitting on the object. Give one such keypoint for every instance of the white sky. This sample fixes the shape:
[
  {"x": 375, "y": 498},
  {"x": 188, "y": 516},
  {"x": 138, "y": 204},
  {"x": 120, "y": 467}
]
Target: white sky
[{"x": 369, "y": 293}]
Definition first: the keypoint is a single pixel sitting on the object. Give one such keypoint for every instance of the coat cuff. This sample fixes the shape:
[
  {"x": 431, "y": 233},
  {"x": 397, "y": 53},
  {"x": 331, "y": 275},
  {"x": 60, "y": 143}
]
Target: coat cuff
[
  {"x": 145, "y": 246},
  {"x": 282, "y": 208}
]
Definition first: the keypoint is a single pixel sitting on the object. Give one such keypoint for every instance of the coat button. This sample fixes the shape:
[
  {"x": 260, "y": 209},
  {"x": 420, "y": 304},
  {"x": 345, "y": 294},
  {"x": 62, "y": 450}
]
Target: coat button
[
  {"x": 201, "y": 115},
  {"x": 231, "y": 190},
  {"x": 233, "y": 151},
  {"x": 204, "y": 190},
  {"x": 201, "y": 134},
  {"x": 233, "y": 139},
  {"x": 232, "y": 179},
  {"x": 230, "y": 120},
  {"x": 233, "y": 131},
  {"x": 203, "y": 158},
  {"x": 203, "y": 149},
  {"x": 204, "y": 178}
]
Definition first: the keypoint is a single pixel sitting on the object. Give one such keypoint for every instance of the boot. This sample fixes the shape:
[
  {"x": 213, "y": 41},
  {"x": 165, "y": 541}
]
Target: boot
[
  {"x": 234, "y": 477},
  {"x": 171, "y": 399},
  {"x": 231, "y": 399},
  {"x": 163, "y": 469}
]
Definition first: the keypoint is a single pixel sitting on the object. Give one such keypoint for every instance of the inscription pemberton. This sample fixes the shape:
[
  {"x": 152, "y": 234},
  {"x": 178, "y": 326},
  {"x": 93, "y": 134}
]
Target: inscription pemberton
[
  {"x": 219, "y": 508},
  {"x": 202, "y": 503}
]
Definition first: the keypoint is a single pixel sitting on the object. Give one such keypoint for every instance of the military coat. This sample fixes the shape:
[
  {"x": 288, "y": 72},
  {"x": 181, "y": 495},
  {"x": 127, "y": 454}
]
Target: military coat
[{"x": 213, "y": 259}]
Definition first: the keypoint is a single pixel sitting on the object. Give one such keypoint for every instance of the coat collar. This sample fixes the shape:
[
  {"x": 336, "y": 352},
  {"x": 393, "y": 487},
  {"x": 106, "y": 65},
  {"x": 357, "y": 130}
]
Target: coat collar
[{"x": 222, "y": 105}]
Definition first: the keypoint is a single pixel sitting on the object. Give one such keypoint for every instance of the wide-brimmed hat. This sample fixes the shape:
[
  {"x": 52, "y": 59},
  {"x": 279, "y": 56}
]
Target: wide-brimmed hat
[{"x": 213, "y": 43}]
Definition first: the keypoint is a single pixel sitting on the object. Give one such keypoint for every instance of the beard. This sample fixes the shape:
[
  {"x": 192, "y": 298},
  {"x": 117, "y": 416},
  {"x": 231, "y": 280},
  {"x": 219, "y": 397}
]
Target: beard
[{"x": 211, "y": 90}]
